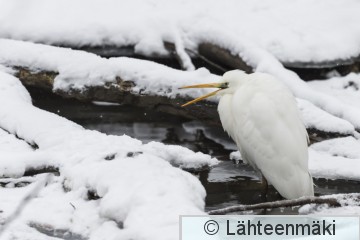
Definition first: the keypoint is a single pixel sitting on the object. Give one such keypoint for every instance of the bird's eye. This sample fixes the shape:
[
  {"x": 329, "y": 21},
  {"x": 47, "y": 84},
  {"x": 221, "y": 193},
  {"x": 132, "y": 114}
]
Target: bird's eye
[{"x": 224, "y": 85}]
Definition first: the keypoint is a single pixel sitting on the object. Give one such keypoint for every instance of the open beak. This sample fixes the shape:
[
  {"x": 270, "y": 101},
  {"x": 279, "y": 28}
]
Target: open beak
[{"x": 206, "y": 85}]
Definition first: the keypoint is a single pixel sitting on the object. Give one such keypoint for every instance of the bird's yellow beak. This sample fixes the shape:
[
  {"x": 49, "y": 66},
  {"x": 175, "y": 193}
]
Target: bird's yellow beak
[{"x": 206, "y": 85}]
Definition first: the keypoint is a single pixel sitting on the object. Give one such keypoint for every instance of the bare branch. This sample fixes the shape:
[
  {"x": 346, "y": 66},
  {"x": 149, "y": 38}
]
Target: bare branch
[
  {"x": 52, "y": 232},
  {"x": 208, "y": 61},
  {"x": 176, "y": 51},
  {"x": 172, "y": 49},
  {"x": 277, "y": 204}
]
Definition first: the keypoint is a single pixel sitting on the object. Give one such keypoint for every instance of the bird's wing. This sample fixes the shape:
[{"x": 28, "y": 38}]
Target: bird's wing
[{"x": 271, "y": 135}]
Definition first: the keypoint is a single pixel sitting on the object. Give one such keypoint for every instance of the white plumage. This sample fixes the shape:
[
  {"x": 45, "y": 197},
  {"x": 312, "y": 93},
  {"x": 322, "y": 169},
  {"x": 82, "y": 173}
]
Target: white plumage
[{"x": 262, "y": 117}]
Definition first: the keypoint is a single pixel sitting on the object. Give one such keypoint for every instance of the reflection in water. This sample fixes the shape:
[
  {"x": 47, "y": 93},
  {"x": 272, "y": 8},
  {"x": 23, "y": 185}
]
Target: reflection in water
[{"x": 226, "y": 184}]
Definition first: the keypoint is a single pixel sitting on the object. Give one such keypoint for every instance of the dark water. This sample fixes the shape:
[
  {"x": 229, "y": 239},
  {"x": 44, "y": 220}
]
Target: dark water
[{"x": 226, "y": 184}]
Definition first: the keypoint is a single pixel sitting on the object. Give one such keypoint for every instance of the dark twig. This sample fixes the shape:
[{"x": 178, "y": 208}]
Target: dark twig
[
  {"x": 72, "y": 205},
  {"x": 57, "y": 233},
  {"x": 171, "y": 47},
  {"x": 277, "y": 204},
  {"x": 42, "y": 169},
  {"x": 207, "y": 60},
  {"x": 24, "y": 202},
  {"x": 33, "y": 145}
]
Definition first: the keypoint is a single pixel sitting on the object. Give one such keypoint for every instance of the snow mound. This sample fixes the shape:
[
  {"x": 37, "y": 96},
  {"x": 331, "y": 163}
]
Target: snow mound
[
  {"x": 346, "y": 89},
  {"x": 335, "y": 158},
  {"x": 314, "y": 117},
  {"x": 348, "y": 147},
  {"x": 326, "y": 165},
  {"x": 135, "y": 183},
  {"x": 236, "y": 156}
]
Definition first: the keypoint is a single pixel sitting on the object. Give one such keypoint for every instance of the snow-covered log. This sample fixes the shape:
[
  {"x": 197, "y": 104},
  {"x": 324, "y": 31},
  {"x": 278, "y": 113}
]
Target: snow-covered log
[
  {"x": 120, "y": 91},
  {"x": 87, "y": 77}
]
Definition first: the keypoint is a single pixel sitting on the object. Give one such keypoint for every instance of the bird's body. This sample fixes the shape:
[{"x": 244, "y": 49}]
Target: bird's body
[{"x": 261, "y": 116}]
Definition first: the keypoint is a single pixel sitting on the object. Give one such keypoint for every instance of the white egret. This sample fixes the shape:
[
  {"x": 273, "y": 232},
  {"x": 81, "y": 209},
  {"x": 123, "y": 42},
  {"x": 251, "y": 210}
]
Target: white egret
[{"x": 261, "y": 116}]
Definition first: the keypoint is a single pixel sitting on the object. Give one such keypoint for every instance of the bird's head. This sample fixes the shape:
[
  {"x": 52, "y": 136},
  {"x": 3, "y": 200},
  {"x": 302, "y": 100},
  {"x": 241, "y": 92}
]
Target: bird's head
[{"x": 228, "y": 84}]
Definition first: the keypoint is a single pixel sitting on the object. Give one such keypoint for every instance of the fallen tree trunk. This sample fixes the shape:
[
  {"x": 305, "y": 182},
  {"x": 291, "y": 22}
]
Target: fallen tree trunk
[{"x": 121, "y": 92}]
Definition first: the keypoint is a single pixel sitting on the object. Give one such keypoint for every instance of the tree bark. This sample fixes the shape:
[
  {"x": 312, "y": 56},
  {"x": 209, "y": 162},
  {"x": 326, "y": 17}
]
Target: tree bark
[{"x": 223, "y": 56}]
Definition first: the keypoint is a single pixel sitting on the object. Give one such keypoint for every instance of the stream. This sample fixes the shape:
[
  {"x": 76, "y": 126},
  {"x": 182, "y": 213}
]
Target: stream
[{"x": 228, "y": 183}]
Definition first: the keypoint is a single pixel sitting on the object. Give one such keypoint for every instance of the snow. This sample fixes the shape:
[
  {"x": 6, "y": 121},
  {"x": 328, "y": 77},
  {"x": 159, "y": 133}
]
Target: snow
[
  {"x": 180, "y": 156},
  {"x": 340, "y": 157},
  {"x": 333, "y": 167},
  {"x": 316, "y": 118},
  {"x": 284, "y": 30},
  {"x": 348, "y": 147},
  {"x": 236, "y": 156},
  {"x": 346, "y": 89},
  {"x": 9, "y": 143},
  {"x": 137, "y": 189},
  {"x": 335, "y": 158}
]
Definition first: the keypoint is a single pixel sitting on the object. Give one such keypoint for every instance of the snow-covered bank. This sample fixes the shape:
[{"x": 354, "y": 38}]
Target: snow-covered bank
[
  {"x": 135, "y": 181},
  {"x": 336, "y": 158},
  {"x": 291, "y": 31}
]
